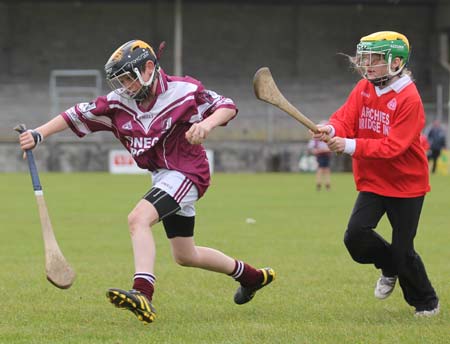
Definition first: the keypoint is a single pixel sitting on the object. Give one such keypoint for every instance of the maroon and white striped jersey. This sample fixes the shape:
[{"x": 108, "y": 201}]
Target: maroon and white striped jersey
[{"x": 155, "y": 136}]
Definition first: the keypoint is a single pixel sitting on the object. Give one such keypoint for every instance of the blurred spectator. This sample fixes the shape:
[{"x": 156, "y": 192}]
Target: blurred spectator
[
  {"x": 424, "y": 143},
  {"x": 322, "y": 153},
  {"x": 436, "y": 139}
]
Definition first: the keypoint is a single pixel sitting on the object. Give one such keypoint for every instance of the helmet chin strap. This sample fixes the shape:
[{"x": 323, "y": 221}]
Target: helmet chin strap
[
  {"x": 146, "y": 85},
  {"x": 150, "y": 80},
  {"x": 381, "y": 81}
]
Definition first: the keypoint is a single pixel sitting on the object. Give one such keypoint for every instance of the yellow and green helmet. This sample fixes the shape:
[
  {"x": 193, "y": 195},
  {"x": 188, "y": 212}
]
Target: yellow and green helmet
[{"x": 389, "y": 44}]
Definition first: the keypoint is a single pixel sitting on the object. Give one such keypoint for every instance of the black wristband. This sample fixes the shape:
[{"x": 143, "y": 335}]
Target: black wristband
[{"x": 37, "y": 136}]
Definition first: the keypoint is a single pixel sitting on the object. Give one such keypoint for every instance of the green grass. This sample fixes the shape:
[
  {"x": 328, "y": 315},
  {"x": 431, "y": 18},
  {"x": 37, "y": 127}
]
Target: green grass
[{"x": 320, "y": 295}]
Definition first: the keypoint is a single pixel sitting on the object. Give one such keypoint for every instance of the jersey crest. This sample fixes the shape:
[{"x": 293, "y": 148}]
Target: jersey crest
[
  {"x": 127, "y": 126},
  {"x": 392, "y": 105}
]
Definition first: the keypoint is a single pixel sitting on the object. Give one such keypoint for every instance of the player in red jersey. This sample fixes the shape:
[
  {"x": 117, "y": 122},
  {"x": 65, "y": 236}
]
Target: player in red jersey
[
  {"x": 379, "y": 126},
  {"x": 162, "y": 121}
]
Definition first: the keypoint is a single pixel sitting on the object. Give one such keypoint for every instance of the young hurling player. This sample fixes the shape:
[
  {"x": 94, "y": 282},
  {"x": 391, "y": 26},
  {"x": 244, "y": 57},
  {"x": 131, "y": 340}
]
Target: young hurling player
[
  {"x": 379, "y": 126},
  {"x": 323, "y": 156},
  {"x": 162, "y": 121}
]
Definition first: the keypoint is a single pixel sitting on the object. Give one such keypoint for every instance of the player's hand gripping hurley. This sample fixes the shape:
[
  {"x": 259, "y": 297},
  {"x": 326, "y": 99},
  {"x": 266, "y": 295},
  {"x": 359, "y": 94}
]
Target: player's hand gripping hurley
[
  {"x": 58, "y": 270},
  {"x": 266, "y": 90}
]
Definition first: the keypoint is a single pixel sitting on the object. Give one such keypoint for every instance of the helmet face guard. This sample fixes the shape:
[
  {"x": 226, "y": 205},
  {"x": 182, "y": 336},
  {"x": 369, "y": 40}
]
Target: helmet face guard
[
  {"x": 124, "y": 67},
  {"x": 123, "y": 84},
  {"x": 385, "y": 45},
  {"x": 130, "y": 85}
]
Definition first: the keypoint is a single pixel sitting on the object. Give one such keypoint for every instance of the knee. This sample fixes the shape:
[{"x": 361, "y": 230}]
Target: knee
[
  {"x": 352, "y": 240},
  {"x": 183, "y": 259},
  {"x": 136, "y": 221}
]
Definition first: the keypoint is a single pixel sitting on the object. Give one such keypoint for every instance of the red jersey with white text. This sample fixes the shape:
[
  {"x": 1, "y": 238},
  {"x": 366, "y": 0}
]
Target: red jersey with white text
[
  {"x": 388, "y": 158},
  {"x": 155, "y": 136}
]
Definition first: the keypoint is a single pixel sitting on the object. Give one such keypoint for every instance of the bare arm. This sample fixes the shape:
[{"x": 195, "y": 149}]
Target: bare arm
[
  {"x": 198, "y": 132},
  {"x": 53, "y": 126}
]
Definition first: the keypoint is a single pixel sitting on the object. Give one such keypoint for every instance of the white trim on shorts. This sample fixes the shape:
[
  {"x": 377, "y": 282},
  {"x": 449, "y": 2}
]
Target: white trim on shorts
[{"x": 181, "y": 188}]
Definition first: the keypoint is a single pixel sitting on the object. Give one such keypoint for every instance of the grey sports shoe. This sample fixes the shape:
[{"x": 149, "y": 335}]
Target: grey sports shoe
[
  {"x": 427, "y": 312},
  {"x": 385, "y": 286},
  {"x": 245, "y": 294}
]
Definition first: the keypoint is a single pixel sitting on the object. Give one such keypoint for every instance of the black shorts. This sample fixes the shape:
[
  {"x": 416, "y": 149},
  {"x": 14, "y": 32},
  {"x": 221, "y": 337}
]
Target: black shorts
[
  {"x": 323, "y": 161},
  {"x": 166, "y": 206}
]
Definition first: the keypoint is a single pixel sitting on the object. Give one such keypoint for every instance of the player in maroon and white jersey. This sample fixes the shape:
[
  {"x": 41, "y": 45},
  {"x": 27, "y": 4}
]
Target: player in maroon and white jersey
[{"x": 162, "y": 121}]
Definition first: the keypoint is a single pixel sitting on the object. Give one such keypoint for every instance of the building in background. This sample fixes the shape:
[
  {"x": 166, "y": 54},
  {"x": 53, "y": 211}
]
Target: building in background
[{"x": 223, "y": 43}]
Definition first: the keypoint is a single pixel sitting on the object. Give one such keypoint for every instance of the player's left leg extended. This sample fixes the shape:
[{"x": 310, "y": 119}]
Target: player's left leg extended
[{"x": 186, "y": 253}]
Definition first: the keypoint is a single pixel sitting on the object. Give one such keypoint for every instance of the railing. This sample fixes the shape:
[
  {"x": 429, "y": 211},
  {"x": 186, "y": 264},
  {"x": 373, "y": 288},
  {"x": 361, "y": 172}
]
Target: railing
[{"x": 63, "y": 93}]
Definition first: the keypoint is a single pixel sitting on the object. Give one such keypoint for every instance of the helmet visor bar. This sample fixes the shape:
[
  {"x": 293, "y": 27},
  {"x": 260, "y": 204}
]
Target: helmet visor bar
[
  {"x": 126, "y": 85},
  {"x": 369, "y": 58},
  {"x": 366, "y": 60}
]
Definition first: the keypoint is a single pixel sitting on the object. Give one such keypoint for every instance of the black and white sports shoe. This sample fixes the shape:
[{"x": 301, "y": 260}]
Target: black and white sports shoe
[
  {"x": 427, "y": 312},
  {"x": 385, "y": 286},
  {"x": 245, "y": 294},
  {"x": 134, "y": 301}
]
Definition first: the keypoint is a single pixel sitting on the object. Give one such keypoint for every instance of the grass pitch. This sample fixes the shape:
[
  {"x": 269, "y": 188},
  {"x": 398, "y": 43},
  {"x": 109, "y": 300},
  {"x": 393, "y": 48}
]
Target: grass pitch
[{"x": 320, "y": 295}]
